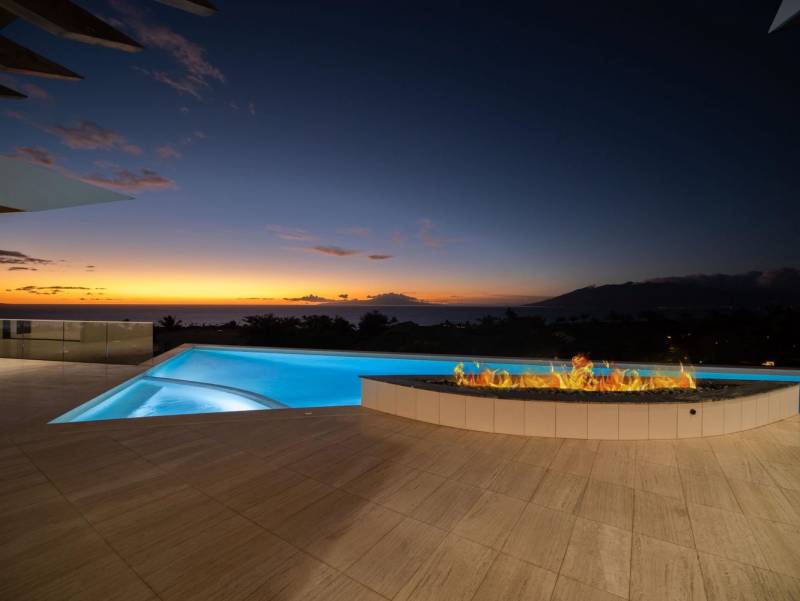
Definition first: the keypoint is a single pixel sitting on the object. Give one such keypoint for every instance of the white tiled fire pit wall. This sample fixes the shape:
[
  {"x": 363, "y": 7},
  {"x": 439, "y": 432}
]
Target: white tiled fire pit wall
[{"x": 606, "y": 421}]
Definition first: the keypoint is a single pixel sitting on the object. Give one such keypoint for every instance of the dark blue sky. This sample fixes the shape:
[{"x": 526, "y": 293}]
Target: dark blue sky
[{"x": 490, "y": 148}]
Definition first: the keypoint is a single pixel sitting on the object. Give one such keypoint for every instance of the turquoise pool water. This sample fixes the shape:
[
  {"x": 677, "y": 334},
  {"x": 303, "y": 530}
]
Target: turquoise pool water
[{"x": 212, "y": 380}]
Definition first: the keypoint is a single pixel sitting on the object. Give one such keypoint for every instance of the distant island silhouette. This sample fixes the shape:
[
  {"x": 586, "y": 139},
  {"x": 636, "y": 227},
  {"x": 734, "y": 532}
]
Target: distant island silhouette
[
  {"x": 387, "y": 299},
  {"x": 750, "y": 290}
]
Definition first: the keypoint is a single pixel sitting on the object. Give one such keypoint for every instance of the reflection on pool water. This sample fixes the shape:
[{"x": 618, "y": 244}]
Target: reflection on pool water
[{"x": 212, "y": 380}]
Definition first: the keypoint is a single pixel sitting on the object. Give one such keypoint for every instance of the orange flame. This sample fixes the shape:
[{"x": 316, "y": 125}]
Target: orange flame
[{"x": 581, "y": 376}]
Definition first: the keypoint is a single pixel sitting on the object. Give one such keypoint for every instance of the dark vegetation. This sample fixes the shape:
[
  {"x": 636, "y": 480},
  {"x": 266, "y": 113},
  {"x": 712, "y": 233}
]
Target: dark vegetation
[{"x": 734, "y": 337}]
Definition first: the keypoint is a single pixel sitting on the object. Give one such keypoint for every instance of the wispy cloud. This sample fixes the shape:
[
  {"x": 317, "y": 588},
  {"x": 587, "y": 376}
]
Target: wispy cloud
[
  {"x": 34, "y": 154},
  {"x": 130, "y": 181},
  {"x": 30, "y": 89},
  {"x": 51, "y": 290},
  {"x": 87, "y": 135},
  {"x": 22, "y": 269},
  {"x": 194, "y": 74},
  {"x": 290, "y": 233},
  {"x": 34, "y": 91},
  {"x": 334, "y": 251},
  {"x": 357, "y": 231},
  {"x": 122, "y": 179},
  {"x": 380, "y": 257},
  {"x": 428, "y": 237},
  {"x": 14, "y": 257},
  {"x": 251, "y": 107},
  {"x": 29, "y": 288},
  {"x": 168, "y": 152}
]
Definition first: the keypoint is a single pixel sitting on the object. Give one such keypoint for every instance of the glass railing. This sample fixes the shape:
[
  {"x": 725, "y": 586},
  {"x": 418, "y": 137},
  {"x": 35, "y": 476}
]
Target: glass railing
[{"x": 122, "y": 342}]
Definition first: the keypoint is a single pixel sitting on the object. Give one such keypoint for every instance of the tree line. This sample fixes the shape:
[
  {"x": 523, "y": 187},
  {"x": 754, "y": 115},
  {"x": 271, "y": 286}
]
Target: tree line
[{"x": 744, "y": 337}]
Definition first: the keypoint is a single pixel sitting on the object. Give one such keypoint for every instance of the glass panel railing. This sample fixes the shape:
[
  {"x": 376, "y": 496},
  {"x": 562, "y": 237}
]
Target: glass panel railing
[
  {"x": 85, "y": 341},
  {"x": 43, "y": 340},
  {"x": 129, "y": 341},
  {"x": 126, "y": 342}
]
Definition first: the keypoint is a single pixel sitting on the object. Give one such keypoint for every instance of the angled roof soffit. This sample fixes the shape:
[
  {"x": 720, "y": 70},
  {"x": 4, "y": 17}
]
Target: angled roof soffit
[
  {"x": 788, "y": 14},
  {"x": 6, "y": 92},
  {"x": 27, "y": 187},
  {"x": 66, "y": 19}
]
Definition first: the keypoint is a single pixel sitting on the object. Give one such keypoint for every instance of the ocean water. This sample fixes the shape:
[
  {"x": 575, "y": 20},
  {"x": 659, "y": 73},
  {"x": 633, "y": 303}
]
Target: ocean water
[{"x": 214, "y": 314}]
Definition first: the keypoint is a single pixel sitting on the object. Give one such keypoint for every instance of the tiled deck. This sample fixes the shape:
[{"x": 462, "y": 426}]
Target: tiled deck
[{"x": 351, "y": 505}]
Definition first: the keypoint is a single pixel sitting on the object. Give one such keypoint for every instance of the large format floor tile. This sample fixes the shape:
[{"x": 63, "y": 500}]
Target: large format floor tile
[{"x": 347, "y": 504}]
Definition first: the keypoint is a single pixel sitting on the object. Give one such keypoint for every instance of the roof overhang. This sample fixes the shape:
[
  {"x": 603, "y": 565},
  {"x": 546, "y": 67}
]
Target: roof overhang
[
  {"x": 788, "y": 14},
  {"x": 26, "y": 187}
]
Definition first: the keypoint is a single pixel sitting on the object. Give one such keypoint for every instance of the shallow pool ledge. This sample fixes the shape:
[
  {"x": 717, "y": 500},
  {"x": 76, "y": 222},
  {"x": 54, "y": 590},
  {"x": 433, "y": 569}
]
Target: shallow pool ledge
[{"x": 593, "y": 421}]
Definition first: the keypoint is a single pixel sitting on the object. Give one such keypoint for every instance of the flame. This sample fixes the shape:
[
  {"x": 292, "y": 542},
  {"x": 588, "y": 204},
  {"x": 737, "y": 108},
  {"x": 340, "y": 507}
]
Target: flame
[{"x": 580, "y": 376}]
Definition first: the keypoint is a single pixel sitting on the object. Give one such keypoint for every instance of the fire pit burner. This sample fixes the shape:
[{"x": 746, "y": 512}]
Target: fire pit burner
[{"x": 705, "y": 390}]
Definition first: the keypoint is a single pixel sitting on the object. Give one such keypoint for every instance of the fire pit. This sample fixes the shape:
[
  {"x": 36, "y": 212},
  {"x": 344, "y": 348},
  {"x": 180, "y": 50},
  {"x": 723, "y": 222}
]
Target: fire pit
[
  {"x": 580, "y": 401},
  {"x": 580, "y": 375}
]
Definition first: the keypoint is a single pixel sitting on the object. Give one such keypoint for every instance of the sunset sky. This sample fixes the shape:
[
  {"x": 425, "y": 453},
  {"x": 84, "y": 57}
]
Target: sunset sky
[{"x": 454, "y": 152}]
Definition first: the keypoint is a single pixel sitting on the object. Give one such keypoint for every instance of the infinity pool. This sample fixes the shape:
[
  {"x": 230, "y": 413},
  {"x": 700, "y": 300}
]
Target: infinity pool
[{"x": 213, "y": 380}]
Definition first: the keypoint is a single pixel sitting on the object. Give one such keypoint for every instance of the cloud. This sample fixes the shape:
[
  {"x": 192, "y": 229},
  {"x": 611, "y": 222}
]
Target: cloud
[
  {"x": 182, "y": 85},
  {"x": 29, "y": 288},
  {"x": 105, "y": 164},
  {"x": 34, "y": 91},
  {"x": 380, "y": 257},
  {"x": 13, "y": 257},
  {"x": 130, "y": 181},
  {"x": 51, "y": 290},
  {"x": 252, "y": 108},
  {"x": 344, "y": 296},
  {"x": 256, "y": 298},
  {"x": 22, "y": 269},
  {"x": 290, "y": 233},
  {"x": 199, "y": 135},
  {"x": 335, "y": 251},
  {"x": 195, "y": 71},
  {"x": 168, "y": 152},
  {"x": 30, "y": 89},
  {"x": 428, "y": 238},
  {"x": 87, "y": 135},
  {"x": 123, "y": 179},
  {"x": 184, "y": 109},
  {"x": 34, "y": 154},
  {"x": 359, "y": 232},
  {"x": 309, "y": 298},
  {"x": 399, "y": 237}
]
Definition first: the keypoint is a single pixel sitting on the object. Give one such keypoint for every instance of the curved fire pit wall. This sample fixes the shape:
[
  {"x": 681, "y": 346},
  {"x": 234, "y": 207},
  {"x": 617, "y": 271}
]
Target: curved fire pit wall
[{"x": 600, "y": 420}]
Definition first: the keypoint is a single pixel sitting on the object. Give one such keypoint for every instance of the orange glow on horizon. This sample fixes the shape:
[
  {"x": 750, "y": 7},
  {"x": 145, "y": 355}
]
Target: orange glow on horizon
[
  {"x": 168, "y": 286},
  {"x": 204, "y": 294}
]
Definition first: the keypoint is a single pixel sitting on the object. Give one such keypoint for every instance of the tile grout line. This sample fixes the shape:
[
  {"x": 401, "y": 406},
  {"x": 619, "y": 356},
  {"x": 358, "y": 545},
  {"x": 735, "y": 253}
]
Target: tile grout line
[
  {"x": 267, "y": 530},
  {"x": 572, "y": 531},
  {"x": 691, "y": 525},
  {"x": 91, "y": 526}
]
